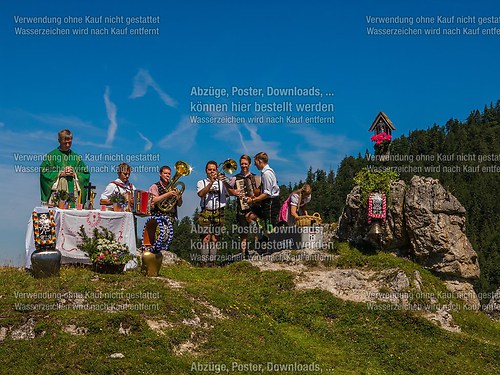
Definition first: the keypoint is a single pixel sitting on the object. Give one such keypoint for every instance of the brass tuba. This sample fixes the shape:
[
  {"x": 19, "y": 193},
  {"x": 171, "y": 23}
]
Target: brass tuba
[{"x": 181, "y": 169}]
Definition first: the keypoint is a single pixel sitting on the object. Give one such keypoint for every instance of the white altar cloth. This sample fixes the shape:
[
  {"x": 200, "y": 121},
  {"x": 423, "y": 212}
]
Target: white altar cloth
[{"x": 68, "y": 224}]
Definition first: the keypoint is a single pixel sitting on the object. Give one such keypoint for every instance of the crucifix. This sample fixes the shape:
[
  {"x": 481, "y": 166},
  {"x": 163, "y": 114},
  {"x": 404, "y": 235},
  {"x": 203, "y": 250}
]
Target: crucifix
[{"x": 89, "y": 204}]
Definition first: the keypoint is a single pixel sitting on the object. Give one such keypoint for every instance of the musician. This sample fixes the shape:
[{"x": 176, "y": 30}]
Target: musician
[
  {"x": 121, "y": 185},
  {"x": 213, "y": 192},
  {"x": 250, "y": 180},
  {"x": 160, "y": 193},
  {"x": 269, "y": 197},
  {"x": 63, "y": 167}
]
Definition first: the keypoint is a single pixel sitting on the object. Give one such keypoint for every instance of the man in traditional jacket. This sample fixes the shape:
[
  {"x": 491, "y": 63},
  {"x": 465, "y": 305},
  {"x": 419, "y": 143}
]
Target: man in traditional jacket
[
  {"x": 160, "y": 193},
  {"x": 64, "y": 166}
]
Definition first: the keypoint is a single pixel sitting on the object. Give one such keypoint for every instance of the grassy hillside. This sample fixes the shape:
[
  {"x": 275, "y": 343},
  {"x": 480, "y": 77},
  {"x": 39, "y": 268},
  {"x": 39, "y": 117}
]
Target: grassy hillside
[{"x": 234, "y": 319}]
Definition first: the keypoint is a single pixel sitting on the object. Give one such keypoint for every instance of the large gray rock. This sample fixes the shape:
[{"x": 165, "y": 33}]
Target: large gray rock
[
  {"x": 353, "y": 224},
  {"x": 423, "y": 220},
  {"x": 435, "y": 222},
  {"x": 394, "y": 227}
]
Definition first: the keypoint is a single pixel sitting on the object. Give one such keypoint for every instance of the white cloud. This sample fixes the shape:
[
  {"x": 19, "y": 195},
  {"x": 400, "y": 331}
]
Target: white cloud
[
  {"x": 46, "y": 136},
  {"x": 65, "y": 121},
  {"x": 111, "y": 112},
  {"x": 327, "y": 141},
  {"x": 148, "y": 144},
  {"x": 250, "y": 143},
  {"x": 257, "y": 144},
  {"x": 327, "y": 150},
  {"x": 25, "y": 142},
  {"x": 142, "y": 81},
  {"x": 183, "y": 136}
]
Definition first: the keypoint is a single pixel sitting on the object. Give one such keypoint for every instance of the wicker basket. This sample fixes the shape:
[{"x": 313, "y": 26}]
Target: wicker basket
[{"x": 309, "y": 220}]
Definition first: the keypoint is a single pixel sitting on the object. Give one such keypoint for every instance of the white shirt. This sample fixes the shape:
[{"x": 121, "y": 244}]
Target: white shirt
[
  {"x": 294, "y": 200},
  {"x": 112, "y": 187},
  {"x": 211, "y": 200},
  {"x": 269, "y": 182}
]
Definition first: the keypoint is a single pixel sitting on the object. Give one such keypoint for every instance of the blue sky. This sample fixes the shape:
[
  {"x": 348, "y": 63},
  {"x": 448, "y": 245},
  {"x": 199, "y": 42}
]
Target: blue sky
[{"x": 131, "y": 95}]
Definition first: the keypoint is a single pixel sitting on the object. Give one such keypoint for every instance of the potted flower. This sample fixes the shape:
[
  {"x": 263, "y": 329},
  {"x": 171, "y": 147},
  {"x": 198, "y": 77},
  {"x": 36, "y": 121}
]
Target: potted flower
[
  {"x": 118, "y": 201},
  {"x": 106, "y": 254},
  {"x": 382, "y": 143},
  {"x": 63, "y": 199}
]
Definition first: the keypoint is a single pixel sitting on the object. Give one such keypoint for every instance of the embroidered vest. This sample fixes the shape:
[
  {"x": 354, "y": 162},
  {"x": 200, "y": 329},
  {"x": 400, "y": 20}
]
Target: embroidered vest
[{"x": 155, "y": 211}]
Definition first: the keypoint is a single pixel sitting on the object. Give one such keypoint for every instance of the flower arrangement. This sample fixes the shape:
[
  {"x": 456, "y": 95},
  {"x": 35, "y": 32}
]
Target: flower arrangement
[
  {"x": 63, "y": 196},
  {"x": 102, "y": 248},
  {"x": 117, "y": 198},
  {"x": 382, "y": 142}
]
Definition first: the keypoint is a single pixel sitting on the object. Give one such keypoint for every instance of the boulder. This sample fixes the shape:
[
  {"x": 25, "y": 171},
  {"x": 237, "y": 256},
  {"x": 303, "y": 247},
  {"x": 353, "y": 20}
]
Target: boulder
[
  {"x": 353, "y": 224},
  {"x": 435, "y": 223},
  {"x": 396, "y": 237},
  {"x": 424, "y": 221}
]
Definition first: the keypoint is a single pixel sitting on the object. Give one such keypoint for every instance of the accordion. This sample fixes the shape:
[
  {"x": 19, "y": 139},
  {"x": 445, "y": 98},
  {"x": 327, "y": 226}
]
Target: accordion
[{"x": 142, "y": 203}]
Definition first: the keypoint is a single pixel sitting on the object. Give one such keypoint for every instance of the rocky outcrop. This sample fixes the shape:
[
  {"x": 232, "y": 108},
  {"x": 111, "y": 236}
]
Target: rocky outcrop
[
  {"x": 424, "y": 221},
  {"x": 353, "y": 224},
  {"x": 397, "y": 237},
  {"x": 435, "y": 222},
  {"x": 464, "y": 291}
]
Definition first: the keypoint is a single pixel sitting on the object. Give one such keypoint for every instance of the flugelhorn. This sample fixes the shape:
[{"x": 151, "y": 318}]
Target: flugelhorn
[
  {"x": 181, "y": 169},
  {"x": 229, "y": 166}
]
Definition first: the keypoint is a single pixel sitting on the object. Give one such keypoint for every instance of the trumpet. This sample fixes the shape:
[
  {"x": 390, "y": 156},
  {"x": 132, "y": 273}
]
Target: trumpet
[{"x": 181, "y": 169}]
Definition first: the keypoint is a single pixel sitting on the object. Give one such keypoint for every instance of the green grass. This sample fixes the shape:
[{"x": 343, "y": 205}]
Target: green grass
[{"x": 266, "y": 323}]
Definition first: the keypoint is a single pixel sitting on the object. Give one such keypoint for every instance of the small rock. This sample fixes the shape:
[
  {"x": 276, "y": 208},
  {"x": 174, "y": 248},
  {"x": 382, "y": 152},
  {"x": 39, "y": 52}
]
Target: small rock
[
  {"x": 443, "y": 319},
  {"x": 117, "y": 355},
  {"x": 464, "y": 291},
  {"x": 417, "y": 280},
  {"x": 124, "y": 329},
  {"x": 25, "y": 332},
  {"x": 75, "y": 331},
  {"x": 159, "y": 326},
  {"x": 493, "y": 307},
  {"x": 3, "y": 333},
  {"x": 196, "y": 321}
]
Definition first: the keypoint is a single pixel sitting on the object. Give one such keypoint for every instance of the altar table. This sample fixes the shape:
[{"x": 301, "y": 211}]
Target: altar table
[{"x": 68, "y": 224}]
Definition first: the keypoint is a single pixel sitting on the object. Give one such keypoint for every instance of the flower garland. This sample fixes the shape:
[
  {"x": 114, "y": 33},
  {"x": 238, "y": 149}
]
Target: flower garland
[
  {"x": 377, "y": 207},
  {"x": 44, "y": 230},
  {"x": 162, "y": 237}
]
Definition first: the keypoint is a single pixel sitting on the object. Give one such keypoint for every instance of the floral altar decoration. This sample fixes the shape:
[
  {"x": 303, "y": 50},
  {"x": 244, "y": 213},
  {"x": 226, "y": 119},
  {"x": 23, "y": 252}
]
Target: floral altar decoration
[{"x": 106, "y": 254}]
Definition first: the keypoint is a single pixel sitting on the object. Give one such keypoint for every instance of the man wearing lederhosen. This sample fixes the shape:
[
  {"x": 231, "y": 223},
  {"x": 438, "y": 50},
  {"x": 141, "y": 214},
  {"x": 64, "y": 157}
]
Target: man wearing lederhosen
[
  {"x": 269, "y": 195},
  {"x": 213, "y": 192},
  {"x": 252, "y": 183},
  {"x": 160, "y": 193}
]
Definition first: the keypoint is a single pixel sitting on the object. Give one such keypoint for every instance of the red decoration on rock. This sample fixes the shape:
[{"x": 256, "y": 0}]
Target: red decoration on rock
[{"x": 377, "y": 207}]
